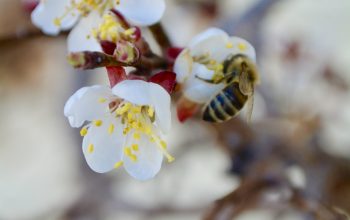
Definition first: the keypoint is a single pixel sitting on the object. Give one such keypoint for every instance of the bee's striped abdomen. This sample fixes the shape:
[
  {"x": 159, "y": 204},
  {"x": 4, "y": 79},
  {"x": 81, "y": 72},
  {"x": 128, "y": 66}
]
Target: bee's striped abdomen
[{"x": 225, "y": 105}]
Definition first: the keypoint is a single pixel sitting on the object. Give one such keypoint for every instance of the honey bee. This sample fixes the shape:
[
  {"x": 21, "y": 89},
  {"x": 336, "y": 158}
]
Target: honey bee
[{"x": 240, "y": 77}]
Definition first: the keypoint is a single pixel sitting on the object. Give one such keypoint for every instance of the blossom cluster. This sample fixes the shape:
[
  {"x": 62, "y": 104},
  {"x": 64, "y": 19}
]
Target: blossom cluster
[{"x": 123, "y": 124}]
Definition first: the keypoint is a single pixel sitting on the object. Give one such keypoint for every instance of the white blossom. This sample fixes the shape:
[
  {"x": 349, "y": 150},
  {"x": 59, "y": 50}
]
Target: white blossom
[
  {"x": 204, "y": 58},
  {"x": 124, "y": 126},
  {"x": 53, "y": 16}
]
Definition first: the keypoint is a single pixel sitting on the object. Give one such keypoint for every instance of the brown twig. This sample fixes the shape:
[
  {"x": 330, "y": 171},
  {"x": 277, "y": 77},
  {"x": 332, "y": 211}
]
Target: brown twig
[{"x": 161, "y": 36}]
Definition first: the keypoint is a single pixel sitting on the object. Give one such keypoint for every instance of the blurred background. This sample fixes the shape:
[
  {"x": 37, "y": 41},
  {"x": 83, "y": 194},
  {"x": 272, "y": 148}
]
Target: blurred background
[{"x": 291, "y": 162}]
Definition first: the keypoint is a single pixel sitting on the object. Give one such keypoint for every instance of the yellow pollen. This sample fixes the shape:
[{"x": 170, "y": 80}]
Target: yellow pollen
[
  {"x": 83, "y": 131},
  {"x": 136, "y": 136},
  {"x": 136, "y": 109},
  {"x": 102, "y": 100},
  {"x": 90, "y": 148},
  {"x": 219, "y": 67},
  {"x": 57, "y": 22},
  {"x": 118, "y": 164},
  {"x": 124, "y": 108},
  {"x": 170, "y": 159},
  {"x": 130, "y": 116},
  {"x": 129, "y": 32},
  {"x": 135, "y": 147},
  {"x": 133, "y": 157},
  {"x": 127, "y": 151},
  {"x": 163, "y": 144},
  {"x": 108, "y": 29},
  {"x": 110, "y": 128},
  {"x": 242, "y": 46},
  {"x": 84, "y": 7},
  {"x": 148, "y": 130},
  {"x": 126, "y": 130},
  {"x": 229, "y": 45},
  {"x": 150, "y": 112},
  {"x": 98, "y": 123}
]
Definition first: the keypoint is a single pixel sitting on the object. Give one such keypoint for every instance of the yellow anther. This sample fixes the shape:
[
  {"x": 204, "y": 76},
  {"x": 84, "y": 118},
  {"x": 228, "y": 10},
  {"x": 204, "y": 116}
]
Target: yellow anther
[
  {"x": 212, "y": 62},
  {"x": 90, "y": 148},
  {"x": 242, "y": 46},
  {"x": 136, "y": 136},
  {"x": 124, "y": 108},
  {"x": 135, "y": 147},
  {"x": 110, "y": 128},
  {"x": 148, "y": 130},
  {"x": 219, "y": 67},
  {"x": 129, "y": 31},
  {"x": 98, "y": 123},
  {"x": 170, "y": 159},
  {"x": 150, "y": 111},
  {"x": 108, "y": 30},
  {"x": 130, "y": 116},
  {"x": 229, "y": 45},
  {"x": 133, "y": 157},
  {"x": 135, "y": 125},
  {"x": 127, "y": 151},
  {"x": 118, "y": 164},
  {"x": 102, "y": 100},
  {"x": 163, "y": 144},
  {"x": 126, "y": 130},
  {"x": 136, "y": 109},
  {"x": 83, "y": 131},
  {"x": 57, "y": 22}
]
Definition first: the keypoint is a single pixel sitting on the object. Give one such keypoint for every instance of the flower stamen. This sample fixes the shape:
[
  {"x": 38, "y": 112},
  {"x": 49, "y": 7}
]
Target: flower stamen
[
  {"x": 138, "y": 120},
  {"x": 97, "y": 123},
  {"x": 83, "y": 131}
]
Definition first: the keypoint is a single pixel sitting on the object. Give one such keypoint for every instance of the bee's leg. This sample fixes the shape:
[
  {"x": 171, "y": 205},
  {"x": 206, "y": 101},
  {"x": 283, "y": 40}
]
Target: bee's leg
[{"x": 211, "y": 81}]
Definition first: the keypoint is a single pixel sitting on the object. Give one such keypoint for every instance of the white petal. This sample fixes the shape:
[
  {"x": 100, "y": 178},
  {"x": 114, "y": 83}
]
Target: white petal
[
  {"x": 201, "y": 92},
  {"x": 149, "y": 160},
  {"x": 198, "y": 90},
  {"x": 84, "y": 105},
  {"x": 249, "y": 50},
  {"x": 80, "y": 38},
  {"x": 142, "y": 12},
  {"x": 202, "y": 71},
  {"x": 134, "y": 91},
  {"x": 183, "y": 66},
  {"x": 208, "y": 34},
  {"x": 161, "y": 103},
  {"x": 47, "y": 11},
  {"x": 140, "y": 92},
  {"x": 107, "y": 148}
]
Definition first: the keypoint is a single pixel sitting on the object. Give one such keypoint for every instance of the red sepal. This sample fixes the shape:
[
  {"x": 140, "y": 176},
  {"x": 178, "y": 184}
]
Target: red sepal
[
  {"x": 116, "y": 75},
  {"x": 173, "y": 52},
  {"x": 30, "y": 5},
  {"x": 166, "y": 79},
  {"x": 121, "y": 19},
  {"x": 108, "y": 47},
  {"x": 186, "y": 108},
  {"x": 137, "y": 34}
]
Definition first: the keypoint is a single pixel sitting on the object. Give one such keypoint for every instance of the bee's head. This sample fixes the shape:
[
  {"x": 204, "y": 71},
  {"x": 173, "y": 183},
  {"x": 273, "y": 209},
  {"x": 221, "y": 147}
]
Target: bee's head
[{"x": 240, "y": 64}]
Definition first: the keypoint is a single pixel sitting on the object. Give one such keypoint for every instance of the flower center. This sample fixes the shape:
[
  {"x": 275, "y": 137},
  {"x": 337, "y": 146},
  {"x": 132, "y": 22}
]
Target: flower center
[
  {"x": 211, "y": 64},
  {"x": 84, "y": 7},
  {"x": 112, "y": 30},
  {"x": 138, "y": 123}
]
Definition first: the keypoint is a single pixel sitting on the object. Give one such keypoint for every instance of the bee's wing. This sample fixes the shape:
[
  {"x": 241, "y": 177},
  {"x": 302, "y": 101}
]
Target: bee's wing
[
  {"x": 245, "y": 85},
  {"x": 250, "y": 104}
]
